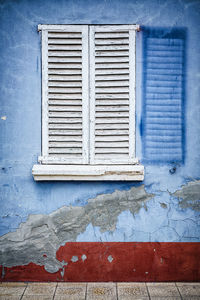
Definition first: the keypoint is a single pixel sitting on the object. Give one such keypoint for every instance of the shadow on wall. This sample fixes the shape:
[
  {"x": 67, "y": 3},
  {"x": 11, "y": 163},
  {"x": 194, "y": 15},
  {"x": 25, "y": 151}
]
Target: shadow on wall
[{"x": 163, "y": 122}]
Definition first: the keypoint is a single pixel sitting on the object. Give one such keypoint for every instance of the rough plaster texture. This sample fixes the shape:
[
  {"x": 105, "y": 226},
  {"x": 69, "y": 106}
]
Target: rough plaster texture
[
  {"x": 38, "y": 239},
  {"x": 165, "y": 221},
  {"x": 172, "y": 215},
  {"x": 111, "y": 217}
]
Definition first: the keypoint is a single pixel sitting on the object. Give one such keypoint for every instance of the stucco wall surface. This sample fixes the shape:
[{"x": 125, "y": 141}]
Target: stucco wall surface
[{"x": 163, "y": 208}]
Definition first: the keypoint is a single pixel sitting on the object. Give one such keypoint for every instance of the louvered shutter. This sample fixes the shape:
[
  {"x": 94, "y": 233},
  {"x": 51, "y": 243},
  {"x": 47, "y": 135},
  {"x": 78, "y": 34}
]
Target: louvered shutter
[
  {"x": 112, "y": 94},
  {"x": 65, "y": 94}
]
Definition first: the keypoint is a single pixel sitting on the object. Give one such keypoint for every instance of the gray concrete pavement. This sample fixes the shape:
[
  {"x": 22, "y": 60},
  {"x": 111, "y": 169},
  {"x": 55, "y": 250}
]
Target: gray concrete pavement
[{"x": 99, "y": 291}]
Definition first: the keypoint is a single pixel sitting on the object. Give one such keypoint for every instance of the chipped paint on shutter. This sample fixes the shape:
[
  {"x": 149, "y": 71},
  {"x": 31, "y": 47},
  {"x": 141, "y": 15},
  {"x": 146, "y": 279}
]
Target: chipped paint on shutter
[
  {"x": 112, "y": 94},
  {"x": 65, "y": 94}
]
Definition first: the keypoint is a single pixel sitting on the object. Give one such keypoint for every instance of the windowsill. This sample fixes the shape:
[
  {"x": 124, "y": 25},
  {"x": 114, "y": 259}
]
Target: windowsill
[{"x": 88, "y": 172}]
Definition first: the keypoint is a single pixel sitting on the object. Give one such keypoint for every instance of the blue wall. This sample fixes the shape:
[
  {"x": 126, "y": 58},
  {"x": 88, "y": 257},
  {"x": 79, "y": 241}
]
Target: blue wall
[{"x": 162, "y": 219}]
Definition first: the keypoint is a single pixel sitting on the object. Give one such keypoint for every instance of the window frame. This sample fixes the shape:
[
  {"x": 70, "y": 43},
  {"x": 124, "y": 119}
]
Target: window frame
[{"x": 51, "y": 169}]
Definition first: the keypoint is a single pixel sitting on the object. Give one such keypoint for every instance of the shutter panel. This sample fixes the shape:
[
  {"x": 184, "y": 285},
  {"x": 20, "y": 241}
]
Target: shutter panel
[
  {"x": 65, "y": 94},
  {"x": 112, "y": 94}
]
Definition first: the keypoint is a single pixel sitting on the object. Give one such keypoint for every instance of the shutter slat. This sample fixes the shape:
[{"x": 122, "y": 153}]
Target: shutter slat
[
  {"x": 112, "y": 90},
  {"x": 64, "y": 53},
  {"x": 59, "y": 34},
  {"x": 57, "y": 59},
  {"x": 112, "y": 102},
  {"x": 65, "y": 150},
  {"x": 118, "y": 108},
  {"x": 105, "y": 114},
  {"x": 112, "y": 138},
  {"x": 111, "y": 150},
  {"x": 67, "y": 132},
  {"x": 112, "y": 126},
  {"x": 65, "y": 138},
  {"x": 66, "y": 90},
  {"x": 61, "y": 114},
  {"x": 111, "y": 48},
  {"x": 74, "y": 68},
  {"x": 109, "y": 77},
  {"x": 64, "y": 41},
  {"x": 111, "y": 131},
  {"x": 105, "y": 42},
  {"x": 113, "y": 96},
  {"x": 112, "y": 70},
  {"x": 64, "y": 84},
  {"x": 111, "y": 53},
  {"x": 64, "y": 77},
  {"x": 65, "y": 96},
  {"x": 116, "y": 35},
  {"x": 61, "y": 144},
  {"x": 65, "y": 102},
  {"x": 110, "y": 83},
  {"x": 65, "y": 108},
  {"x": 112, "y": 120},
  {"x": 64, "y": 47},
  {"x": 109, "y": 144},
  {"x": 65, "y": 126},
  {"x": 111, "y": 59}
]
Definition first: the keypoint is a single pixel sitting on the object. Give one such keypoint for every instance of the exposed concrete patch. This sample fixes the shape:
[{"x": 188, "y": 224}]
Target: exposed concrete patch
[
  {"x": 110, "y": 258},
  {"x": 189, "y": 195},
  {"x": 83, "y": 257},
  {"x": 44, "y": 234},
  {"x": 74, "y": 258}
]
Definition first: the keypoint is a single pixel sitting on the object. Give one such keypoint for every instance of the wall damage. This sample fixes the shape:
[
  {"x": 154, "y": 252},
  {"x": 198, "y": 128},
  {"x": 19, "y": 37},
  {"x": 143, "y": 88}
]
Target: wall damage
[
  {"x": 189, "y": 195},
  {"x": 38, "y": 239}
]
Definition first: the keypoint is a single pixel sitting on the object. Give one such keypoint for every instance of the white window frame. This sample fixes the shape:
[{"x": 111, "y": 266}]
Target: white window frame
[{"x": 87, "y": 168}]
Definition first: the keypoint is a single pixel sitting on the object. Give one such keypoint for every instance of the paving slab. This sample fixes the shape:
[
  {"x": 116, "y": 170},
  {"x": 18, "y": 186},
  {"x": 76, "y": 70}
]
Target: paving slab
[
  {"x": 191, "y": 298},
  {"x": 189, "y": 289},
  {"x": 13, "y": 284},
  {"x": 70, "y": 291},
  {"x": 131, "y": 290},
  {"x": 101, "y": 291},
  {"x": 165, "y": 298},
  {"x": 40, "y": 289},
  {"x": 10, "y": 297},
  {"x": 187, "y": 283},
  {"x": 37, "y": 297},
  {"x": 164, "y": 289},
  {"x": 11, "y": 291}
]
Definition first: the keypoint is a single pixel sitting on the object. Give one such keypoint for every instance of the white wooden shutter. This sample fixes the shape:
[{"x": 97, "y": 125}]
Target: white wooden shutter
[
  {"x": 64, "y": 94},
  {"x": 112, "y": 94}
]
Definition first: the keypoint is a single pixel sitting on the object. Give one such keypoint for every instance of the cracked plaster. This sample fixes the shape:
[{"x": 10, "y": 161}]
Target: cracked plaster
[
  {"x": 131, "y": 215},
  {"x": 42, "y": 234},
  {"x": 38, "y": 239}
]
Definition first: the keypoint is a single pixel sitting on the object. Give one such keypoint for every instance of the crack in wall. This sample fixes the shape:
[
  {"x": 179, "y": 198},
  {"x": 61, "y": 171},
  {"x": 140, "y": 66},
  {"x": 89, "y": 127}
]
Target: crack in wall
[{"x": 38, "y": 239}]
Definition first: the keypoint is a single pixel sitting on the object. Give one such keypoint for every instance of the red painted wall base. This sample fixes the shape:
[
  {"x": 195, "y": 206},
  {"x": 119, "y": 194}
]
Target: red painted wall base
[{"x": 117, "y": 262}]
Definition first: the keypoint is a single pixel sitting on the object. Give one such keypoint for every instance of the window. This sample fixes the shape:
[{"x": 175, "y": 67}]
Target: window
[{"x": 88, "y": 103}]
